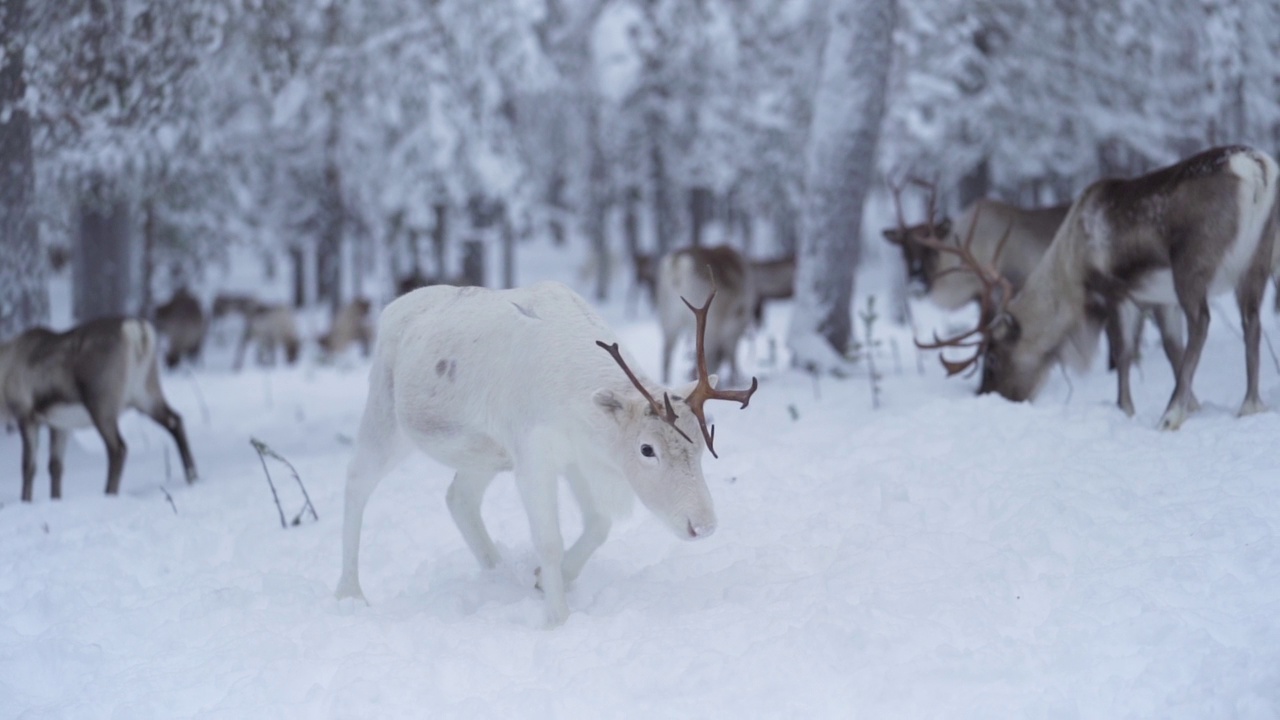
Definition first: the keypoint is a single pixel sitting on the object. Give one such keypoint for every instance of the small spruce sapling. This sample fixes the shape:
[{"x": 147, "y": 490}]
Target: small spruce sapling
[{"x": 870, "y": 344}]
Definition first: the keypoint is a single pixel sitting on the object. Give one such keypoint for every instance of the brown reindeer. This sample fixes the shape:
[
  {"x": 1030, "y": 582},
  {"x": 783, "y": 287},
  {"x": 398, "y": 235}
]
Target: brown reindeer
[
  {"x": 689, "y": 272},
  {"x": 1010, "y": 241},
  {"x": 772, "y": 280},
  {"x": 1202, "y": 226},
  {"x": 84, "y": 377},
  {"x": 351, "y": 325},
  {"x": 268, "y": 326},
  {"x": 181, "y": 322}
]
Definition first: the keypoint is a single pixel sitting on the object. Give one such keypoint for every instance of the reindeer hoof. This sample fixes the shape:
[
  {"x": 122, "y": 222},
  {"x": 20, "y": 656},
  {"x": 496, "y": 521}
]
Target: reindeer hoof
[
  {"x": 1252, "y": 406},
  {"x": 1173, "y": 419}
]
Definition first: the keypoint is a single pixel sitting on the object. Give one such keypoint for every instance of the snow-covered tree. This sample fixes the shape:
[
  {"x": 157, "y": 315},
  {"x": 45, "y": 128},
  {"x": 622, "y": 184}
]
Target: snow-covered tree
[
  {"x": 24, "y": 299},
  {"x": 840, "y": 158}
]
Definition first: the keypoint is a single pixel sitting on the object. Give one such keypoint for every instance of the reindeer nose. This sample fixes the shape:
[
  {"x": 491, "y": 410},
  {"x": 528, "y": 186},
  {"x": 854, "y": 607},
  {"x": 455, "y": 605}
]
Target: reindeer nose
[{"x": 702, "y": 530}]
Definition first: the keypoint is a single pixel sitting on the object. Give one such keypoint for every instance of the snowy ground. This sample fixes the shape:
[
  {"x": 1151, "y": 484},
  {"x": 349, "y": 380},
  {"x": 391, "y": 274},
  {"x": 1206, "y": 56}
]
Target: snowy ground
[{"x": 942, "y": 556}]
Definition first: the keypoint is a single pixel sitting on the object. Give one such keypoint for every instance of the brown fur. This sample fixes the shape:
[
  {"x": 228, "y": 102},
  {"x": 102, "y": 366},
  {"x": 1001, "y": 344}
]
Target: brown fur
[
  {"x": 351, "y": 325},
  {"x": 1121, "y": 234},
  {"x": 101, "y": 368},
  {"x": 684, "y": 273},
  {"x": 269, "y": 327},
  {"x": 772, "y": 280},
  {"x": 182, "y": 322}
]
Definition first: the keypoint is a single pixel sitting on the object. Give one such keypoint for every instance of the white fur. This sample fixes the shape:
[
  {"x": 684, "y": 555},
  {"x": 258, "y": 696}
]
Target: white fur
[
  {"x": 486, "y": 381},
  {"x": 1255, "y": 199}
]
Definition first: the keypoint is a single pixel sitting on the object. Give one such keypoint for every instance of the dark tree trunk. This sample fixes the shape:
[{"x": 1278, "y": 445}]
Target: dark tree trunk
[
  {"x": 102, "y": 264},
  {"x": 298, "y": 259},
  {"x": 24, "y": 298},
  {"x": 975, "y": 184},
  {"x": 508, "y": 231},
  {"x": 700, "y": 207},
  {"x": 660, "y": 194},
  {"x": 597, "y": 205},
  {"x": 145, "y": 300},
  {"x": 631, "y": 221},
  {"x": 332, "y": 227},
  {"x": 440, "y": 237}
]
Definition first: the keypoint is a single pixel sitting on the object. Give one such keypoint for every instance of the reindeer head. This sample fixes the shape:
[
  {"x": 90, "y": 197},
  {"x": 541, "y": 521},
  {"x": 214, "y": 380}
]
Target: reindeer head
[
  {"x": 662, "y": 454},
  {"x": 995, "y": 340},
  {"x": 917, "y": 242}
]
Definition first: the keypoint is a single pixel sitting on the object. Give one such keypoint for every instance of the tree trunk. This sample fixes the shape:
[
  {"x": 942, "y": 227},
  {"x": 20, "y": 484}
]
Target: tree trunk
[
  {"x": 102, "y": 264},
  {"x": 700, "y": 206},
  {"x": 329, "y": 255},
  {"x": 508, "y": 231},
  {"x": 298, "y": 260},
  {"x": 24, "y": 297},
  {"x": 840, "y": 160},
  {"x": 663, "y": 218},
  {"x": 146, "y": 301},
  {"x": 597, "y": 204},
  {"x": 440, "y": 238}
]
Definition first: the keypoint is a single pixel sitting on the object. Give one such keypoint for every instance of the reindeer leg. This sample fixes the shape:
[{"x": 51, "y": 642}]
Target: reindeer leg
[
  {"x": 170, "y": 420},
  {"x": 155, "y": 407},
  {"x": 57, "y": 450},
  {"x": 538, "y": 489},
  {"x": 1197, "y": 313},
  {"x": 379, "y": 448},
  {"x": 465, "y": 494},
  {"x": 1168, "y": 320},
  {"x": 1122, "y": 315},
  {"x": 30, "y": 445},
  {"x": 109, "y": 429},
  {"x": 595, "y": 525},
  {"x": 1249, "y": 297}
]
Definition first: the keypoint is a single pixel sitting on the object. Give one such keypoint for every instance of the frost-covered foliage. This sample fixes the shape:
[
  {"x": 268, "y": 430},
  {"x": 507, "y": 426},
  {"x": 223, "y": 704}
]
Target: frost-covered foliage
[
  {"x": 289, "y": 123},
  {"x": 1032, "y": 99}
]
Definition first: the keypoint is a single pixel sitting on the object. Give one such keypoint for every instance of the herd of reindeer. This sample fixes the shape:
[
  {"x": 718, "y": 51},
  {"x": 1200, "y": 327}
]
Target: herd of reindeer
[{"x": 1049, "y": 282}]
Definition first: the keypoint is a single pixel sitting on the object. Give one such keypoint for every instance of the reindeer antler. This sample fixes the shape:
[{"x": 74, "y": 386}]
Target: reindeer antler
[
  {"x": 991, "y": 302},
  {"x": 667, "y": 413},
  {"x": 703, "y": 391}
]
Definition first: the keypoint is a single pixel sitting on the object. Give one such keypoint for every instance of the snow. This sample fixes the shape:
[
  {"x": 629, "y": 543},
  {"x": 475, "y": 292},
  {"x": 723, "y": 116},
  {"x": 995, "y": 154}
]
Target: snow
[{"x": 943, "y": 556}]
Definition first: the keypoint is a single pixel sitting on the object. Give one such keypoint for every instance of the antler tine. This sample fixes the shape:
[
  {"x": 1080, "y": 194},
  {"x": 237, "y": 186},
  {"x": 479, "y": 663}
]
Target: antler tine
[
  {"x": 703, "y": 391},
  {"x": 931, "y": 203},
  {"x": 663, "y": 410},
  {"x": 993, "y": 284},
  {"x": 895, "y": 189}
]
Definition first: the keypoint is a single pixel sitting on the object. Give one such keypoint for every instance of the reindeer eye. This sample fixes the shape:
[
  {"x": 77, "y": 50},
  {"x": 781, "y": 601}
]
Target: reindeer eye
[{"x": 647, "y": 450}]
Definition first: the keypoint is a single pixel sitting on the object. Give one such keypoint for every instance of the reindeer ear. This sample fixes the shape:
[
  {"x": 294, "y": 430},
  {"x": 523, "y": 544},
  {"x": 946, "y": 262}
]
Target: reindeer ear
[
  {"x": 607, "y": 400},
  {"x": 891, "y": 234}
]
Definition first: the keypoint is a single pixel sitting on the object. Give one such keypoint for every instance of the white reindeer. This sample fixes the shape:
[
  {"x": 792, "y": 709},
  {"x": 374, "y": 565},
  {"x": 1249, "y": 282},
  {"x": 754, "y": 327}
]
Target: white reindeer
[
  {"x": 1202, "y": 226},
  {"x": 84, "y": 377},
  {"x": 492, "y": 380}
]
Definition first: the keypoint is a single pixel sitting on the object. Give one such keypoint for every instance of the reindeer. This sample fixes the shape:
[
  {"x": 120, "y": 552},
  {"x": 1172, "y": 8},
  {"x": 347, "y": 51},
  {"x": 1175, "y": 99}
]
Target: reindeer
[
  {"x": 691, "y": 272},
  {"x": 350, "y": 325},
  {"x": 181, "y": 321},
  {"x": 644, "y": 280},
  {"x": 268, "y": 326},
  {"x": 1199, "y": 227},
  {"x": 86, "y": 376},
  {"x": 938, "y": 275},
  {"x": 1009, "y": 241},
  {"x": 772, "y": 280},
  {"x": 491, "y": 380}
]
